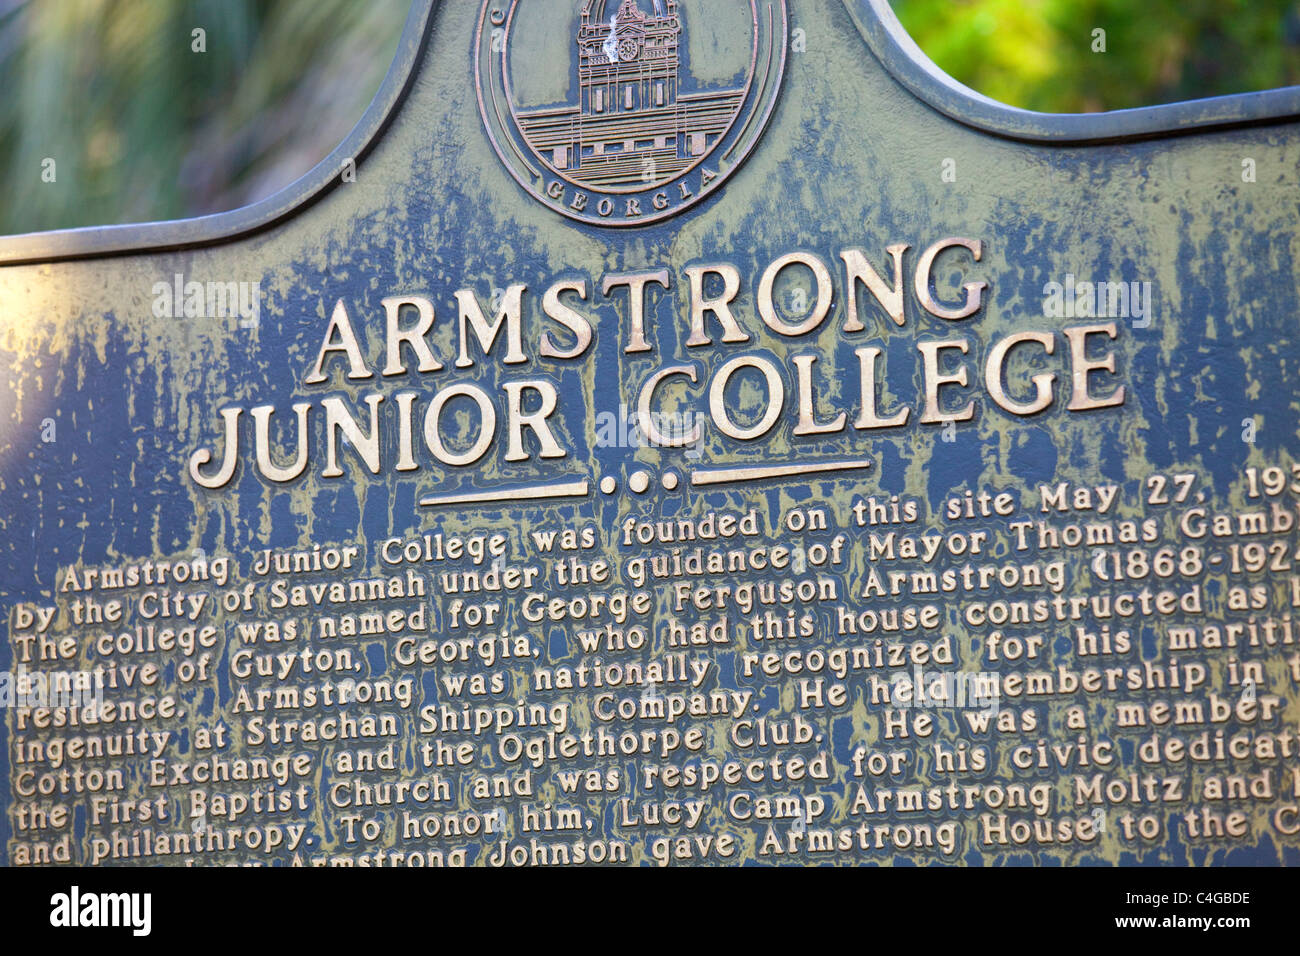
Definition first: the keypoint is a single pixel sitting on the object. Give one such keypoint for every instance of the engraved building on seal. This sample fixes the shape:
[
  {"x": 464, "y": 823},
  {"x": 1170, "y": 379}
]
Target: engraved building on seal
[{"x": 634, "y": 125}]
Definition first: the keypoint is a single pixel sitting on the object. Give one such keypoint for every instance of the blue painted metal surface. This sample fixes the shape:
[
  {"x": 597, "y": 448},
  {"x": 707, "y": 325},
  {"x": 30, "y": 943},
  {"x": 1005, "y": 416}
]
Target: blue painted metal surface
[{"x": 857, "y": 155}]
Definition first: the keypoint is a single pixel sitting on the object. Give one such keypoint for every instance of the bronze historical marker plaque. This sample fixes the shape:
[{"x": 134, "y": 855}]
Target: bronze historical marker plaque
[{"x": 669, "y": 432}]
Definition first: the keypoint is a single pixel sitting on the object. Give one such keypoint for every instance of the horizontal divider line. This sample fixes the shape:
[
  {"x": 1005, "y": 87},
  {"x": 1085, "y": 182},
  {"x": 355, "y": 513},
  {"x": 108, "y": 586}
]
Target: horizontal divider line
[
  {"x": 571, "y": 489},
  {"x": 721, "y": 476}
]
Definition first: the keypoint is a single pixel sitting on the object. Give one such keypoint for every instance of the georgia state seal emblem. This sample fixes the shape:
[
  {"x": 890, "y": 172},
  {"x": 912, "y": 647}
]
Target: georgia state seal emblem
[{"x": 626, "y": 112}]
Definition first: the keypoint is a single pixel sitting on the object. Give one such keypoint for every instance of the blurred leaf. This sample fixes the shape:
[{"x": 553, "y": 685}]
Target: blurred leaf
[
  {"x": 1038, "y": 54},
  {"x": 143, "y": 128}
]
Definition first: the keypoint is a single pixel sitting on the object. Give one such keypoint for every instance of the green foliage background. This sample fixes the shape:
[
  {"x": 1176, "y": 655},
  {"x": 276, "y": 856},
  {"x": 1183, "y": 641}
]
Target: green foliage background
[
  {"x": 141, "y": 127},
  {"x": 1038, "y": 54}
]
